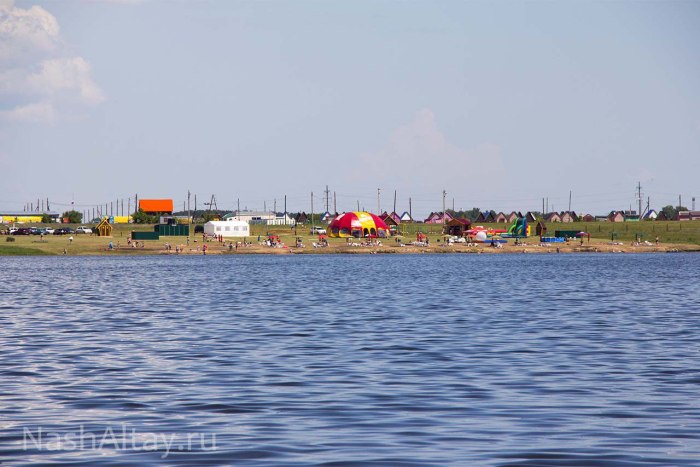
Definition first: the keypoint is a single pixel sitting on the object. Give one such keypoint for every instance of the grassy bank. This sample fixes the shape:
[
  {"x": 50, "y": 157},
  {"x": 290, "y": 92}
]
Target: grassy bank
[
  {"x": 669, "y": 233},
  {"x": 14, "y": 250}
]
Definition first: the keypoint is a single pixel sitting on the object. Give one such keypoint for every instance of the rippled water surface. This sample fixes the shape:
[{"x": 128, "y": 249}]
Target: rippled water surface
[{"x": 381, "y": 360}]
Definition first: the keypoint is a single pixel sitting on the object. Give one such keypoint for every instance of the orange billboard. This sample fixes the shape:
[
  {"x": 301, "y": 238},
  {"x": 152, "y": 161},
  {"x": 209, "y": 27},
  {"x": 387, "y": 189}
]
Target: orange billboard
[{"x": 156, "y": 205}]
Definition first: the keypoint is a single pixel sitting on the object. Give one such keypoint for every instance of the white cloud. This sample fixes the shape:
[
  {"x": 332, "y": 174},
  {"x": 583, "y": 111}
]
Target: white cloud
[
  {"x": 35, "y": 73},
  {"x": 124, "y": 2},
  {"x": 66, "y": 75},
  {"x": 26, "y": 31},
  {"x": 40, "y": 112},
  {"x": 418, "y": 154}
]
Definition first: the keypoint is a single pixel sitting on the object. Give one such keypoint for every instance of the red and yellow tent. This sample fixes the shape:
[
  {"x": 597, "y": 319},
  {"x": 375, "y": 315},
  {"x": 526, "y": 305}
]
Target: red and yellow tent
[{"x": 358, "y": 224}]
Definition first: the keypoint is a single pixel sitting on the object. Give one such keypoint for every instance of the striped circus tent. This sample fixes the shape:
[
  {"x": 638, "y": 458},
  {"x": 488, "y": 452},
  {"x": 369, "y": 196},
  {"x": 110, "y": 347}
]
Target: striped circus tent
[{"x": 358, "y": 224}]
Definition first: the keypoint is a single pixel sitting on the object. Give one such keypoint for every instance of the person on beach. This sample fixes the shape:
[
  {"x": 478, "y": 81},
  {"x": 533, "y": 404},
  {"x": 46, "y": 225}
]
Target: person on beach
[
  {"x": 657, "y": 240},
  {"x": 204, "y": 249}
]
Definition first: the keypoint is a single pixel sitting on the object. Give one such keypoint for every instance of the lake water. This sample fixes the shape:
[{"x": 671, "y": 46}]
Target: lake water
[{"x": 328, "y": 360}]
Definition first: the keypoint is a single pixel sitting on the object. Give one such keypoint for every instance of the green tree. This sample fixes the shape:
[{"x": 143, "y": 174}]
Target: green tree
[
  {"x": 45, "y": 219},
  {"x": 74, "y": 217},
  {"x": 671, "y": 212},
  {"x": 141, "y": 217},
  {"x": 209, "y": 216}
]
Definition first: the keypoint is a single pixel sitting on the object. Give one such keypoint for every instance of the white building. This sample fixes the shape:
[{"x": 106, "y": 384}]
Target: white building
[
  {"x": 262, "y": 217},
  {"x": 228, "y": 228}
]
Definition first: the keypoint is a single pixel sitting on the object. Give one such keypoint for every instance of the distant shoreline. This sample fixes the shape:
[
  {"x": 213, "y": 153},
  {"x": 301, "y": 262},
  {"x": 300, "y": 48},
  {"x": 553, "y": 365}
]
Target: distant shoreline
[
  {"x": 605, "y": 238},
  {"x": 75, "y": 248}
]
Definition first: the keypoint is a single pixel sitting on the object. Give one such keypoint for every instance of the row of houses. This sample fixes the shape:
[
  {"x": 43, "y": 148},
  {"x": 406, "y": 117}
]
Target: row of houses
[{"x": 486, "y": 217}]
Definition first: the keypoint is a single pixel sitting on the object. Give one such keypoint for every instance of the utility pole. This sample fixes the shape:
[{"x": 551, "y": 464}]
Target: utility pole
[
  {"x": 693, "y": 203},
  {"x": 129, "y": 204},
  {"x": 285, "y": 204},
  {"x": 570, "y": 201},
  {"x": 679, "y": 202},
  {"x": 312, "y": 209},
  {"x": 542, "y": 207},
  {"x": 394, "y": 202},
  {"x": 639, "y": 198},
  {"x": 444, "y": 194},
  {"x": 410, "y": 208},
  {"x": 379, "y": 204},
  {"x": 335, "y": 205},
  {"x": 327, "y": 193},
  {"x": 275, "y": 204},
  {"x": 358, "y": 204}
]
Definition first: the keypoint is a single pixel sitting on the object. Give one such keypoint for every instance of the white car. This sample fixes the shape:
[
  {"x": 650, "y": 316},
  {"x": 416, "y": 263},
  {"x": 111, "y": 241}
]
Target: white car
[
  {"x": 83, "y": 229},
  {"x": 48, "y": 231},
  {"x": 318, "y": 231}
]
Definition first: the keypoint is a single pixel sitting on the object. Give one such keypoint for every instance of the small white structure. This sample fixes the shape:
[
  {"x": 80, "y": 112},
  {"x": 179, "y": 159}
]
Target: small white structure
[
  {"x": 228, "y": 228},
  {"x": 261, "y": 217}
]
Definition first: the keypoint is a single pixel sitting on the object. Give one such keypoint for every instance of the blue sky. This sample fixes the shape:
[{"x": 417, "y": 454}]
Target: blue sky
[{"x": 498, "y": 103}]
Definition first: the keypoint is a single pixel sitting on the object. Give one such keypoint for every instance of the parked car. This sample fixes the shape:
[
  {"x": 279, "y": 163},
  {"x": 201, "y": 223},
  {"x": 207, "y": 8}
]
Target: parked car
[
  {"x": 22, "y": 231},
  {"x": 83, "y": 230},
  {"x": 318, "y": 230},
  {"x": 49, "y": 231},
  {"x": 63, "y": 231}
]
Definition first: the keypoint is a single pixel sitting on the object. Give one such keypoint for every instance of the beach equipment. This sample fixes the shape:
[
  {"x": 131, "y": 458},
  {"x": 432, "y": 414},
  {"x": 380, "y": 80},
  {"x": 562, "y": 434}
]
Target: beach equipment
[{"x": 358, "y": 224}]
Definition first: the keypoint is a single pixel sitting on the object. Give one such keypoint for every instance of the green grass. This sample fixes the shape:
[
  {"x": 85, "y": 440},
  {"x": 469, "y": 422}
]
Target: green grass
[
  {"x": 668, "y": 232},
  {"x": 12, "y": 250}
]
